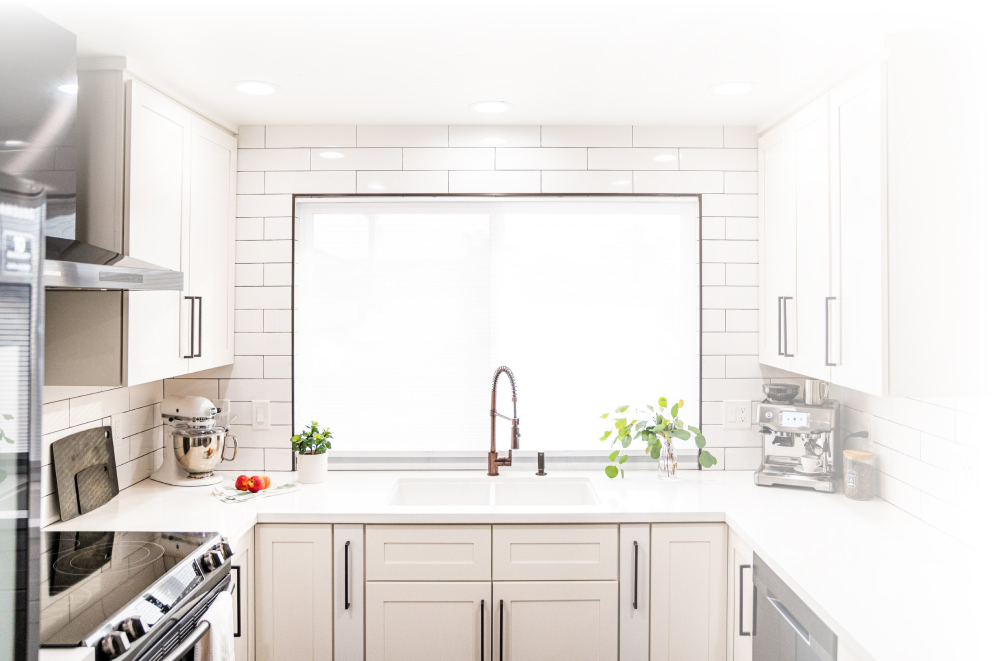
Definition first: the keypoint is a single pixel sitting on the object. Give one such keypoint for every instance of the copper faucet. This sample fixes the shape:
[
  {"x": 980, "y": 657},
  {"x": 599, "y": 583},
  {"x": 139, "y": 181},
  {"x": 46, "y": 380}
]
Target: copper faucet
[{"x": 493, "y": 461}]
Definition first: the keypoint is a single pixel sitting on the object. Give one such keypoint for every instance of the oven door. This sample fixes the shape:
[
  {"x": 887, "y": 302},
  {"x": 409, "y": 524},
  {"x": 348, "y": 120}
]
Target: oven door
[
  {"x": 784, "y": 628},
  {"x": 178, "y": 642}
]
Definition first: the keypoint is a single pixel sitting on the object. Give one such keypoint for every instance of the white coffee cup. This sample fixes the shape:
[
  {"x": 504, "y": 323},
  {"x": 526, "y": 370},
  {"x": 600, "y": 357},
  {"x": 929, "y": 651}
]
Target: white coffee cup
[{"x": 810, "y": 463}]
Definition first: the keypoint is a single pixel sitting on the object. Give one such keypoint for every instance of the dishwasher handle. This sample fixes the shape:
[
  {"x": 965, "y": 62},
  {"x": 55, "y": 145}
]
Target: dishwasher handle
[{"x": 791, "y": 620}]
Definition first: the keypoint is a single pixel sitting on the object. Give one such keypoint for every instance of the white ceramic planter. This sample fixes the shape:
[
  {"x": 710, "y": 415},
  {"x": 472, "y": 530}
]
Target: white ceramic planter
[{"x": 312, "y": 468}]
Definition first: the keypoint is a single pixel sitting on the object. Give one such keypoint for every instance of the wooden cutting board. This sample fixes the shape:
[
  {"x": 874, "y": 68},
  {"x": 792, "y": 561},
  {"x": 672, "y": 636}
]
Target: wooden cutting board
[{"x": 85, "y": 471}]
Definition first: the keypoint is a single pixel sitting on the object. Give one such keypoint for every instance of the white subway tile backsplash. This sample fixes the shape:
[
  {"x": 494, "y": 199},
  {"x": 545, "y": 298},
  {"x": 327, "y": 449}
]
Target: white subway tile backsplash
[
  {"x": 731, "y": 205},
  {"x": 729, "y": 344},
  {"x": 244, "y": 367},
  {"x": 743, "y": 459},
  {"x": 678, "y": 182},
  {"x": 368, "y": 158},
  {"x": 713, "y": 275},
  {"x": 586, "y": 136},
  {"x": 541, "y": 159},
  {"x": 742, "y": 275},
  {"x": 402, "y": 182},
  {"x": 720, "y": 390},
  {"x": 251, "y": 183},
  {"x": 278, "y": 321},
  {"x": 247, "y": 390},
  {"x": 145, "y": 394},
  {"x": 741, "y": 252},
  {"x": 713, "y": 321},
  {"x": 742, "y": 182},
  {"x": 317, "y": 182},
  {"x": 730, "y": 298},
  {"x": 275, "y": 436},
  {"x": 586, "y": 182},
  {"x": 55, "y": 416},
  {"x": 899, "y": 494},
  {"x": 263, "y": 344},
  {"x": 717, "y": 436},
  {"x": 510, "y": 181},
  {"x": 449, "y": 158},
  {"x": 310, "y": 136},
  {"x": 98, "y": 405},
  {"x": 191, "y": 388},
  {"x": 262, "y": 252},
  {"x": 248, "y": 321},
  {"x": 713, "y": 367},
  {"x": 719, "y": 159},
  {"x": 742, "y": 229},
  {"x": 402, "y": 136},
  {"x": 251, "y": 137},
  {"x": 278, "y": 459},
  {"x": 712, "y": 228},
  {"x": 742, "y": 367},
  {"x": 249, "y": 229},
  {"x": 278, "y": 229},
  {"x": 263, "y": 205},
  {"x": 249, "y": 275},
  {"x": 677, "y": 136},
  {"x": 257, "y": 160},
  {"x": 744, "y": 321},
  {"x": 495, "y": 136},
  {"x": 740, "y": 136},
  {"x": 278, "y": 367},
  {"x": 262, "y": 298},
  {"x": 896, "y": 437},
  {"x": 278, "y": 275},
  {"x": 616, "y": 158}
]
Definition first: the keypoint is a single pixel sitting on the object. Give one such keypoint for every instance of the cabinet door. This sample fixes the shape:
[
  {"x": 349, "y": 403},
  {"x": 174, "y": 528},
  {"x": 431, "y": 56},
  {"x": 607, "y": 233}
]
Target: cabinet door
[
  {"x": 740, "y": 599},
  {"x": 556, "y": 621},
  {"x": 440, "y": 621},
  {"x": 858, "y": 230},
  {"x": 211, "y": 272},
  {"x": 350, "y": 603},
  {"x": 293, "y": 592},
  {"x": 242, "y": 572},
  {"x": 633, "y": 585},
  {"x": 777, "y": 335},
  {"x": 687, "y": 614},
  {"x": 813, "y": 239},
  {"x": 156, "y": 226}
]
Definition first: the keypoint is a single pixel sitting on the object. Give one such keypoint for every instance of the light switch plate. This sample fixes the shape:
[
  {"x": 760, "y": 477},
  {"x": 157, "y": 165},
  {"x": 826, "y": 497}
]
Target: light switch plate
[
  {"x": 737, "y": 414},
  {"x": 260, "y": 415},
  {"x": 117, "y": 427}
]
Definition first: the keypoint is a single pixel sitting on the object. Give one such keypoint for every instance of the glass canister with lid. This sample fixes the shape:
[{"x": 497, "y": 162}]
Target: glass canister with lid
[{"x": 858, "y": 474}]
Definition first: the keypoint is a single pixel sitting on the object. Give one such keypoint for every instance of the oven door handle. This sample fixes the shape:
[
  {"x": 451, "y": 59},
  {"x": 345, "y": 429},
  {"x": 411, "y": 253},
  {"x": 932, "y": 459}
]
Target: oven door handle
[{"x": 198, "y": 632}]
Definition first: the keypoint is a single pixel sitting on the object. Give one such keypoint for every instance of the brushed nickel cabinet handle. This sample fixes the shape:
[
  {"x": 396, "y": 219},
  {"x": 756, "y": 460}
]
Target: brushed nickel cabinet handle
[
  {"x": 635, "y": 602},
  {"x": 347, "y": 603},
  {"x": 193, "y": 303}
]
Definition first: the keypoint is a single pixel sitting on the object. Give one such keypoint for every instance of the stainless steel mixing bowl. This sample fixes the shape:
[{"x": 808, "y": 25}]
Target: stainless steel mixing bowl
[{"x": 199, "y": 450}]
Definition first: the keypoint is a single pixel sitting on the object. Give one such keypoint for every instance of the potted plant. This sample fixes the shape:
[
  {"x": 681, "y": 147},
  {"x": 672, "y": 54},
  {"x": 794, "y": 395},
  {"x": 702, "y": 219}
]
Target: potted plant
[
  {"x": 311, "y": 446},
  {"x": 657, "y": 430}
]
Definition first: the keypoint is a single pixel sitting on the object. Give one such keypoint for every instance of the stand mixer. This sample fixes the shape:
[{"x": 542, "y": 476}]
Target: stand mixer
[
  {"x": 194, "y": 442},
  {"x": 795, "y": 431}
]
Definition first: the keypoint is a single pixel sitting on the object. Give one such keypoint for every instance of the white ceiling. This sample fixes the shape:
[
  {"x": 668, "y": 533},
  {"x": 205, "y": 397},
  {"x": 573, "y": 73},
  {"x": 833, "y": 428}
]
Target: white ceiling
[{"x": 558, "y": 62}]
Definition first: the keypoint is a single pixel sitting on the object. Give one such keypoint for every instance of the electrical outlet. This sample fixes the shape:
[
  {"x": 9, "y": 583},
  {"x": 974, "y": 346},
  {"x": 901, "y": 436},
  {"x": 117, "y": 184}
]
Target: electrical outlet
[
  {"x": 737, "y": 414},
  {"x": 117, "y": 427},
  {"x": 260, "y": 415}
]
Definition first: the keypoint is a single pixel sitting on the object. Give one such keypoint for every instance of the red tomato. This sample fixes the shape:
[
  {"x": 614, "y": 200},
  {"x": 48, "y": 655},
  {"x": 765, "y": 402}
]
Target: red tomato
[{"x": 241, "y": 482}]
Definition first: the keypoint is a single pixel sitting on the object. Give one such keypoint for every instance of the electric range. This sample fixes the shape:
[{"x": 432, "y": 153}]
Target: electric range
[{"x": 130, "y": 595}]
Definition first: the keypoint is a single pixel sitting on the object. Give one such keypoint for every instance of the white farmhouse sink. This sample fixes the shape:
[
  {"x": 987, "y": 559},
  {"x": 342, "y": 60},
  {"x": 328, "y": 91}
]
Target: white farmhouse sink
[{"x": 486, "y": 492}]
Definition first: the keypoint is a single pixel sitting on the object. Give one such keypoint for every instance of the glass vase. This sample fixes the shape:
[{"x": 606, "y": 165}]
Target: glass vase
[{"x": 667, "y": 461}]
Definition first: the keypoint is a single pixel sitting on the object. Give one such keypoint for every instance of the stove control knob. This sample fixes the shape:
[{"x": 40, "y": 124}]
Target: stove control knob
[
  {"x": 226, "y": 549},
  {"x": 114, "y": 644},
  {"x": 135, "y": 627},
  {"x": 211, "y": 560}
]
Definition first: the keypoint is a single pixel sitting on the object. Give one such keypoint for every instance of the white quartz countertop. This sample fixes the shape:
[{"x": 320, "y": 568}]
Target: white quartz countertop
[{"x": 890, "y": 586}]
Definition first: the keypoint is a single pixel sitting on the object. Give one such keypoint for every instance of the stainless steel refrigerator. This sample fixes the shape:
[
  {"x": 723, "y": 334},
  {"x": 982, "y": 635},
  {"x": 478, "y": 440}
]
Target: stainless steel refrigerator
[{"x": 37, "y": 188}]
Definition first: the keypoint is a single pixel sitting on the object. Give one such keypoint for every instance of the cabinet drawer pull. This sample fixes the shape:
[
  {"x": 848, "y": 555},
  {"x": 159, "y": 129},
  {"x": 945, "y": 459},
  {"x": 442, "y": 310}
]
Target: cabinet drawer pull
[
  {"x": 635, "y": 602},
  {"x": 347, "y": 603},
  {"x": 238, "y": 600},
  {"x": 483, "y": 639},
  {"x": 742, "y": 587},
  {"x": 501, "y": 657},
  {"x": 828, "y": 332},
  {"x": 791, "y": 620},
  {"x": 193, "y": 303}
]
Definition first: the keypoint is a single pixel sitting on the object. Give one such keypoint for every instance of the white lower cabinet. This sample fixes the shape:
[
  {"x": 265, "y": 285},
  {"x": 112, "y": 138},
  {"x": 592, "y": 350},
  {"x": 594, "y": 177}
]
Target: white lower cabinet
[
  {"x": 633, "y": 586},
  {"x": 243, "y": 602},
  {"x": 293, "y": 592},
  {"x": 740, "y": 599},
  {"x": 428, "y": 621},
  {"x": 688, "y": 583},
  {"x": 556, "y": 620}
]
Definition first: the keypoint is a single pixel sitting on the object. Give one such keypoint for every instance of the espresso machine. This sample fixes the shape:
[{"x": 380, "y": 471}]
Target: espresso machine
[{"x": 801, "y": 446}]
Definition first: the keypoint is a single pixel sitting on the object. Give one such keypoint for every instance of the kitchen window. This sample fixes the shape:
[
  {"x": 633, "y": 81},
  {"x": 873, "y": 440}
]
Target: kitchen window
[{"x": 403, "y": 308}]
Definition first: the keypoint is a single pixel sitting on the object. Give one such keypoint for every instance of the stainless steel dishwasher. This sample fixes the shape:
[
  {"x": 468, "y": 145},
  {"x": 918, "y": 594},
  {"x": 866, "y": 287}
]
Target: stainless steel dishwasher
[{"x": 784, "y": 628}]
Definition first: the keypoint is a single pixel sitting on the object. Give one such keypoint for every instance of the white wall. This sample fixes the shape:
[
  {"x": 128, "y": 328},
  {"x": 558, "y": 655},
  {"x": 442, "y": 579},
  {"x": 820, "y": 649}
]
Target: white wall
[{"x": 277, "y": 161}]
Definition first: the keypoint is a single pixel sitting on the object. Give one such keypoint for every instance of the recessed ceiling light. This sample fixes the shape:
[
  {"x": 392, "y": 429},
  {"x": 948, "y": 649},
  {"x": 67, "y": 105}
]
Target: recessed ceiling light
[
  {"x": 256, "y": 87},
  {"x": 333, "y": 155},
  {"x": 733, "y": 88},
  {"x": 375, "y": 185},
  {"x": 491, "y": 107},
  {"x": 491, "y": 142},
  {"x": 69, "y": 88},
  {"x": 14, "y": 143},
  {"x": 665, "y": 158}
]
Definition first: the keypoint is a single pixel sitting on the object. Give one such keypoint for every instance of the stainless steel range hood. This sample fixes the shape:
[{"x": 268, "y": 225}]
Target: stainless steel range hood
[{"x": 73, "y": 264}]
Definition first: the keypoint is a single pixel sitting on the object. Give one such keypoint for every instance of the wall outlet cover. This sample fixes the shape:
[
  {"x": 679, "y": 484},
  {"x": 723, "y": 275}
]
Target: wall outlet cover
[{"x": 737, "y": 414}]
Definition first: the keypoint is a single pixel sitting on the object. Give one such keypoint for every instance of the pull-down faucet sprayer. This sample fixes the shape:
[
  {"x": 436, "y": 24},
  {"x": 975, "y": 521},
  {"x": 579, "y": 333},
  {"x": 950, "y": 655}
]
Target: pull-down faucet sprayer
[{"x": 493, "y": 461}]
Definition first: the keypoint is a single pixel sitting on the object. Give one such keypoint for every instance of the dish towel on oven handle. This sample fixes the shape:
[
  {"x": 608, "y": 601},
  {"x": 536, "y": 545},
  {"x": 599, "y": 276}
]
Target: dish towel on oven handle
[{"x": 219, "y": 643}]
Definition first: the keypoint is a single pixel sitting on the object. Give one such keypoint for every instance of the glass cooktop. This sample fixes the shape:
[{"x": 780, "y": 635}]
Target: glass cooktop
[{"x": 87, "y": 577}]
